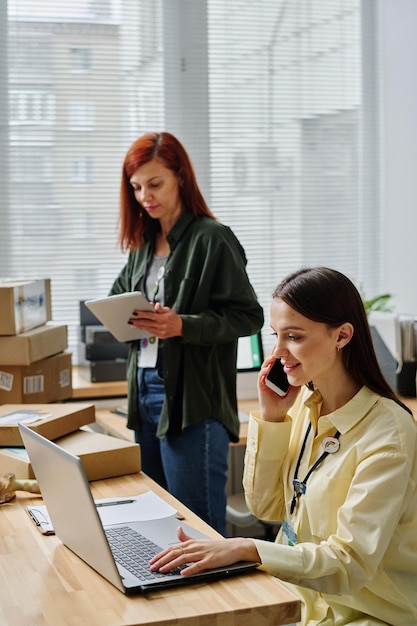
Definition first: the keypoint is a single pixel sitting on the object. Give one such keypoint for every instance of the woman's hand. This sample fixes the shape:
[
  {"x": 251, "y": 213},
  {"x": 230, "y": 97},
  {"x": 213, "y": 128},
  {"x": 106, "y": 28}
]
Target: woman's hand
[
  {"x": 201, "y": 554},
  {"x": 162, "y": 323},
  {"x": 273, "y": 407}
]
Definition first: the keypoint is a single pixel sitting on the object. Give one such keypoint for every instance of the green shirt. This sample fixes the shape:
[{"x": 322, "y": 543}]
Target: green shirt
[{"x": 207, "y": 285}]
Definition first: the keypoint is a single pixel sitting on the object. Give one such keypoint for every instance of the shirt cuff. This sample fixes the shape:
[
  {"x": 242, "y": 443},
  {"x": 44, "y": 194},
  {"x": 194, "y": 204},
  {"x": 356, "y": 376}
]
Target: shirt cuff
[{"x": 271, "y": 439}]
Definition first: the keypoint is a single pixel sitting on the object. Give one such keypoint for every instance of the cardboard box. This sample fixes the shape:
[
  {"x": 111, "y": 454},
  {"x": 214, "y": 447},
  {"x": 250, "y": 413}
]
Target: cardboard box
[
  {"x": 33, "y": 345},
  {"x": 48, "y": 380},
  {"x": 50, "y": 420},
  {"x": 24, "y": 304},
  {"x": 101, "y": 455}
]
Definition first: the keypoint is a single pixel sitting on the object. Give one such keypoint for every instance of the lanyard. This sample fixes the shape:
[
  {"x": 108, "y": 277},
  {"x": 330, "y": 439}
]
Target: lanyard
[
  {"x": 155, "y": 286},
  {"x": 158, "y": 280},
  {"x": 300, "y": 486}
]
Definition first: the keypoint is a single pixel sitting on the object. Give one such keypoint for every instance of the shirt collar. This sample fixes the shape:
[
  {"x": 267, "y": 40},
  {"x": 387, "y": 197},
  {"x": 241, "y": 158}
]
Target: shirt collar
[
  {"x": 181, "y": 225},
  {"x": 350, "y": 414}
]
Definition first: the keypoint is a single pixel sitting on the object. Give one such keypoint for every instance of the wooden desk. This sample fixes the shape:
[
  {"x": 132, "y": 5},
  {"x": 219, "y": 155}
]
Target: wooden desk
[
  {"x": 115, "y": 425},
  {"x": 42, "y": 583},
  {"x": 82, "y": 388}
]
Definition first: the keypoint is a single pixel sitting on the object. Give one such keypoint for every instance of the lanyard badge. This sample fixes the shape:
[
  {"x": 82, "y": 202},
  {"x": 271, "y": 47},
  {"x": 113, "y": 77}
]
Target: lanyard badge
[
  {"x": 330, "y": 445},
  {"x": 299, "y": 487},
  {"x": 289, "y": 536},
  {"x": 148, "y": 355}
]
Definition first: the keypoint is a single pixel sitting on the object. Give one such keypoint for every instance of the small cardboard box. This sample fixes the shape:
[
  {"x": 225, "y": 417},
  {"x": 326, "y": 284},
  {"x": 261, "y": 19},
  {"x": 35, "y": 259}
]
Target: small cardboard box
[
  {"x": 101, "y": 455},
  {"x": 48, "y": 380},
  {"x": 24, "y": 304},
  {"x": 50, "y": 420},
  {"x": 33, "y": 345}
]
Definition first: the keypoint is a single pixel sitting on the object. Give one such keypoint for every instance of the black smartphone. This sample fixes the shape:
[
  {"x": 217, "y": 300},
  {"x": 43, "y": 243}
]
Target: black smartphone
[{"x": 277, "y": 379}]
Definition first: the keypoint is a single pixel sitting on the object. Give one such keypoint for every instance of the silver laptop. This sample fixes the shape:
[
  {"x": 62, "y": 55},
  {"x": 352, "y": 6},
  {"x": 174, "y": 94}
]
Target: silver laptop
[
  {"x": 114, "y": 312},
  {"x": 69, "y": 501}
]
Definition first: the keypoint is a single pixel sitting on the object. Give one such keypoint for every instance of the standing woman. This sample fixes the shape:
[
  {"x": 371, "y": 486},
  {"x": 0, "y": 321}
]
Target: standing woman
[
  {"x": 335, "y": 460},
  {"x": 182, "y": 380}
]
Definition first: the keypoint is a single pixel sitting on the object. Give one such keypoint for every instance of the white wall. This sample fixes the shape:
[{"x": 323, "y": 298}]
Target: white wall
[{"x": 399, "y": 141}]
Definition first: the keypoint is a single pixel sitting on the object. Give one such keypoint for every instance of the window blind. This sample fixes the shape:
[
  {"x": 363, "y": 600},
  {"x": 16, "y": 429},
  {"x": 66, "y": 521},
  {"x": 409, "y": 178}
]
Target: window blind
[{"x": 269, "y": 97}]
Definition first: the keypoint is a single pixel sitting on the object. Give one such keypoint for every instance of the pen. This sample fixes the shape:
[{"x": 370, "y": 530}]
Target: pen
[
  {"x": 34, "y": 518},
  {"x": 114, "y": 502}
]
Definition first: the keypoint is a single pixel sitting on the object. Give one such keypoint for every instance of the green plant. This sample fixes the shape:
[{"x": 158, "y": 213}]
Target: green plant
[{"x": 378, "y": 303}]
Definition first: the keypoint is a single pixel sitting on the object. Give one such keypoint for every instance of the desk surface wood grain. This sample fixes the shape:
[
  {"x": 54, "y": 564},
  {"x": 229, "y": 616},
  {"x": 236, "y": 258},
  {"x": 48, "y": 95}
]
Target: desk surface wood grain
[
  {"x": 42, "y": 583},
  {"x": 115, "y": 424}
]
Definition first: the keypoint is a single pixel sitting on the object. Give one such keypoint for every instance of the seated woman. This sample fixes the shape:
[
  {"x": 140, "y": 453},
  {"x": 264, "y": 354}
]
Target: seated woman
[{"x": 335, "y": 459}]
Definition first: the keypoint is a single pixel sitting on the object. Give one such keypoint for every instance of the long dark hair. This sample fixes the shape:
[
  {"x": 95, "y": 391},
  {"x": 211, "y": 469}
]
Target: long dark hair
[
  {"x": 163, "y": 146},
  {"x": 325, "y": 295}
]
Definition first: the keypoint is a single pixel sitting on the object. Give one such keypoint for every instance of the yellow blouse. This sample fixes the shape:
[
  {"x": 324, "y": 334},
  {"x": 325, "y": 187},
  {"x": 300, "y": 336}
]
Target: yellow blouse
[{"x": 356, "y": 557}]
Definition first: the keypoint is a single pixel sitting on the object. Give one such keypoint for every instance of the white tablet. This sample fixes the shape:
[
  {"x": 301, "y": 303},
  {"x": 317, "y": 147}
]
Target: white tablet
[{"x": 114, "y": 312}]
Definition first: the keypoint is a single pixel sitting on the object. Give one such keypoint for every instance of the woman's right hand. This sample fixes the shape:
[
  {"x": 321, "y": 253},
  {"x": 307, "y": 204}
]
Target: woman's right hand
[
  {"x": 273, "y": 407},
  {"x": 203, "y": 554}
]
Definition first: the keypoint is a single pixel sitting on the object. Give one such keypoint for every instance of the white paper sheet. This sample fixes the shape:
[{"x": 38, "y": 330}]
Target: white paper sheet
[
  {"x": 23, "y": 417},
  {"x": 146, "y": 506}
]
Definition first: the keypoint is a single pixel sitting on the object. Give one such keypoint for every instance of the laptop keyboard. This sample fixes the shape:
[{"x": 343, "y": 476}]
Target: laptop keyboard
[{"x": 133, "y": 551}]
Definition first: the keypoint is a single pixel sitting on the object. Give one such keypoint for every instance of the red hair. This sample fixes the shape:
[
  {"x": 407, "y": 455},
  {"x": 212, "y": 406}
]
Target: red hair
[{"x": 165, "y": 147}]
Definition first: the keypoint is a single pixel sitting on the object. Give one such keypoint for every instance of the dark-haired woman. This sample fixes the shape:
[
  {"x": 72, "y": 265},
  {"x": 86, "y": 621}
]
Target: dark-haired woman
[
  {"x": 182, "y": 379},
  {"x": 335, "y": 460}
]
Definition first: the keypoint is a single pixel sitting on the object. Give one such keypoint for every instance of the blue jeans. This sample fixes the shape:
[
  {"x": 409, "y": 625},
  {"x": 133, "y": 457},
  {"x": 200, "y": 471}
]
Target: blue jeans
[{"x": 192, "y": 466}]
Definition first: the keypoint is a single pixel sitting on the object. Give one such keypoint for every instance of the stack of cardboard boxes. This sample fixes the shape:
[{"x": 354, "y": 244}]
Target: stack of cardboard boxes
[
  {"x": 34, "y": 366},
  {"x": 101, "y": 455},
  {"x": 35, "y": 374}
]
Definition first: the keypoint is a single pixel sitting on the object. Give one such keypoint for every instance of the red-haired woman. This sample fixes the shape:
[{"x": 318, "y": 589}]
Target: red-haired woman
[{"x": 182, "y": 379}]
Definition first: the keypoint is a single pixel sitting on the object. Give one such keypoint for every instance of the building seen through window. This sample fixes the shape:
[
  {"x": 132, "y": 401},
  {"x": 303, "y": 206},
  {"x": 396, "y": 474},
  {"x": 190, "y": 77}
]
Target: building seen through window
[{"x": 267, "y": 97}]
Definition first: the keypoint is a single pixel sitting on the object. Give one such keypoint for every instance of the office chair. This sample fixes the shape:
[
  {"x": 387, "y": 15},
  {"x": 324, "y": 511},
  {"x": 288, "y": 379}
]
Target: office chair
[{"x": 238, "y": 514}]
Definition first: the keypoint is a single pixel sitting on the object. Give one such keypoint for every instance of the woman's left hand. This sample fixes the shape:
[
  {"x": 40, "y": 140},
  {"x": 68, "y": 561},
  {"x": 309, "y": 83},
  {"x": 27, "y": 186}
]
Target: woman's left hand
[
  {"x": 202, "y": 554},
  {"x": 162, "y": 323},
  {"x": 273, "y": 407}
]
